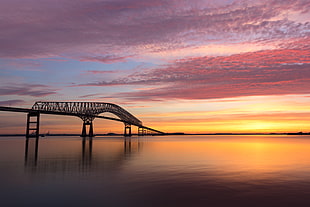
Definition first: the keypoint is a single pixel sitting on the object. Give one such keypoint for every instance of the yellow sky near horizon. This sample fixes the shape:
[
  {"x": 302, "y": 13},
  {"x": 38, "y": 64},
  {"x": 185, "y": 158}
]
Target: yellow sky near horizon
[{"x": 256, "y": 114}]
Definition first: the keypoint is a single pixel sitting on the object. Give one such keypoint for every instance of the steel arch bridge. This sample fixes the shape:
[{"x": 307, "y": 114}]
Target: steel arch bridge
[{"x": 87, "y": 111}]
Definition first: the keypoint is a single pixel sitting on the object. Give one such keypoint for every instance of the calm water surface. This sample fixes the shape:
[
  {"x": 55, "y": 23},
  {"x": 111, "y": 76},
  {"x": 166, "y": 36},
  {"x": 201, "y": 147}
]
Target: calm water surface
[{"x": 156, "y": 171}]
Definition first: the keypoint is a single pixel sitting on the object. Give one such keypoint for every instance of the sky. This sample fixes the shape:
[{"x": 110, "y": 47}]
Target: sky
[{"x": 193, "y": 66}]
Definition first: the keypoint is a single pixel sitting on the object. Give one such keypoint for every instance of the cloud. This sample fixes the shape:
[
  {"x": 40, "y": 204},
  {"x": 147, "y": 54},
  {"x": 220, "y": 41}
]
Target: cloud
[
  {"x": 266, "y": 72},
  {"x": 106, "y": 59},
  {"x": 109, "y": 31},
  {"x": 21, "y": 65},
  {"x": 101, "y": 71},
  {"x": 90, "y": 95},
  {"x": 12, "y": 102},
  {"x": 35, "y": 90}
]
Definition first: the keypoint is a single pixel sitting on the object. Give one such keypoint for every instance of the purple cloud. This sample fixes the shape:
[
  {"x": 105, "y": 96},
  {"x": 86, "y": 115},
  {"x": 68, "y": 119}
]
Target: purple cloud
[
  {"x": 268, "y": 72},
  {"x": 106, "y": 59},
  {"x": 11, "y": 102},
  {"x": 108, "y": 31},
  {"x": 101, "y": 71},
  {"x": 35, "y": 90},
  {"x": 22, "y": 65}
]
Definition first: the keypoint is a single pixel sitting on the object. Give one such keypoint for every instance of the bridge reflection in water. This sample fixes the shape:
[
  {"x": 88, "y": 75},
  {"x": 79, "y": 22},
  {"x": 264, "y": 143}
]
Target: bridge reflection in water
[
  {"x": 265, "y": 170},
  {"x": 31, "y": 151},
  {"x": 114, "y": 152}
]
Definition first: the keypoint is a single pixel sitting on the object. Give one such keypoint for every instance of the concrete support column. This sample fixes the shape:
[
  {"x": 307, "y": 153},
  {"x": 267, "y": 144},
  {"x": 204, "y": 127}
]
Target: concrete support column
[
  {"x": 33, "y": 124},
  {"x": 127, "y": 130},
  {"x": 140, "y": 131},
  {"x": 83, "y": 130},
  {"x": 90, "y": 131}
]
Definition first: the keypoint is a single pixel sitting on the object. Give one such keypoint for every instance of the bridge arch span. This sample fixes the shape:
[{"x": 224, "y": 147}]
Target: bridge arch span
[{"x": 87, "y": 110}]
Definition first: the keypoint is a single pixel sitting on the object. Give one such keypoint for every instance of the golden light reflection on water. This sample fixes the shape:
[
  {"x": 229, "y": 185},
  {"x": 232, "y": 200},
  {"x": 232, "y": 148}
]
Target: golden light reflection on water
[
  {"x": 196, "y": 154},
  {"x": 167, "y": 170},
  {"x": 251, "y": 155}
]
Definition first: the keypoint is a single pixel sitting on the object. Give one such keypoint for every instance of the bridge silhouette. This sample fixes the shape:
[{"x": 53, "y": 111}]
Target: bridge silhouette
[{"x": 87, "y": 111}]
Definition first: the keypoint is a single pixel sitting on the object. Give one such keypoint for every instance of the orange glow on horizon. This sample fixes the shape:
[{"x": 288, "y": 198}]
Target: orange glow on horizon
[{"x": 266, "y": 114}]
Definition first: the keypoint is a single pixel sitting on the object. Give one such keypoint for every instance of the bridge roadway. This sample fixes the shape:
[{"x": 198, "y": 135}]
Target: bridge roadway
[{"x": 29, "y": 111}]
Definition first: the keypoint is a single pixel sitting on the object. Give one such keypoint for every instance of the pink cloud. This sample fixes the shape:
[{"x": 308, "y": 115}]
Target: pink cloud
[
  {"x": 22, "y": 65},
  {"x": 35, "y": 90},
  {"x": 108, "y": 31},
  {"x": 90, "y": 95},
  {"x": 11, "y": 102},
  {"x": 106, "y": 59},
  {"x": 268, "y": 72},
  {"x": 101, "y": 71}
]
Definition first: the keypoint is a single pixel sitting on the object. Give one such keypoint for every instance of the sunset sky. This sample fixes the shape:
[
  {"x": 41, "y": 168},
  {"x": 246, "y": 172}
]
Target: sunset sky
[{"x": 194, "y": 66}]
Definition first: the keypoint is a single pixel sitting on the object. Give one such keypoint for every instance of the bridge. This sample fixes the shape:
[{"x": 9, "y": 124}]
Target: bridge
[{"x": 87, "y": 111}]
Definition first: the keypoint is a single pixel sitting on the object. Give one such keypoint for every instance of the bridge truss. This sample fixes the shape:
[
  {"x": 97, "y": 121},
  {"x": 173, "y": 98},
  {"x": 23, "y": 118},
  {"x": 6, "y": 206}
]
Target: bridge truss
[{"x": 87, "y": 111}]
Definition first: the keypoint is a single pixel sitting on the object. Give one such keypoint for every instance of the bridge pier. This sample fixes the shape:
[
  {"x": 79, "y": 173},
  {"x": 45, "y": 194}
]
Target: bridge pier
[
  {"x": 127, "y": 130},
  {"x": 90, "y": 131},
  {"x": 33, "y": 124},
  {"x": 142, "y": 131}
]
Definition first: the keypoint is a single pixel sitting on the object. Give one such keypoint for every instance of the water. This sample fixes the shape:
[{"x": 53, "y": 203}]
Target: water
[{"x": 156, "y": 171}]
